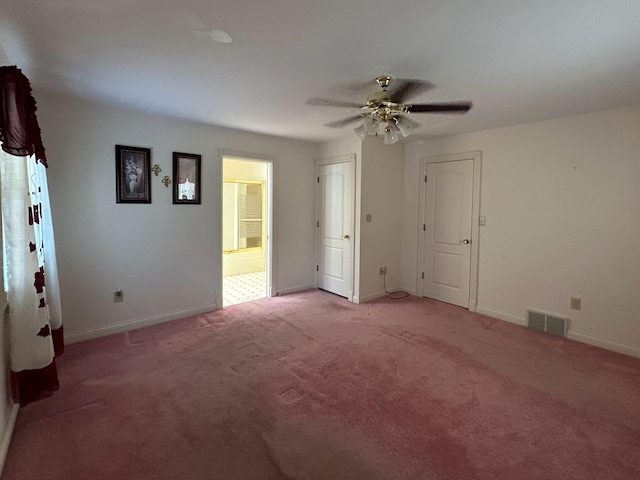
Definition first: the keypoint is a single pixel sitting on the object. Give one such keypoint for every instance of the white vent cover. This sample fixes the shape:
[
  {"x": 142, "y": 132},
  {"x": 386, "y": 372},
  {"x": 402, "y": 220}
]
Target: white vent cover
[{"x": 545, "y": 322}]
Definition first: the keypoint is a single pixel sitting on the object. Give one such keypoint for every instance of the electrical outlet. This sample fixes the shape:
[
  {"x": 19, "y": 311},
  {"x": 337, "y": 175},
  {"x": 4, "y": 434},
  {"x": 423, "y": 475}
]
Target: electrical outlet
[
  {"x": 576, "y": 303},
  {"x": 118, "y": 296},
  {"x": 383, "y": 270}
]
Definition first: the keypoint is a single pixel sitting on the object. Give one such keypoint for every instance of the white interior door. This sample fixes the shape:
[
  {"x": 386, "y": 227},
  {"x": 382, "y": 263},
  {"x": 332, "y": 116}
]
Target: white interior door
[
  {"x": 448, "y": 226},
  {"x": 335, "y": 227}
]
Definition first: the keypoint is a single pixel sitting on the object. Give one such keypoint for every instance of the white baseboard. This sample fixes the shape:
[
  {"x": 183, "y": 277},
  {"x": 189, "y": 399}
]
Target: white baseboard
[
  {"x": 501, "y": 316},
  {"x": 577, "y": 336},
  {"x": 382, "y": 293},
  {"x": 606, "y": 344},
  {"x": 6, "y": 435},
  {"x": 411, "y": 292},
  {"x": 371, "y": 296},
  {"x": 119, "y": 327},
  {"x": 298, "y": 288}
]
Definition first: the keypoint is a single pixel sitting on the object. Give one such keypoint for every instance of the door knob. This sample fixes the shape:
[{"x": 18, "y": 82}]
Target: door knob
[
  {"x": 466, "y": 241},
  {"x": 347, "y": 237}
]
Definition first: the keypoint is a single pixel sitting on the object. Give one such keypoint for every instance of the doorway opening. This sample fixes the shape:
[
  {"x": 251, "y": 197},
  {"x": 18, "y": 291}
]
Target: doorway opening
[{"x": 246, "y": 220}]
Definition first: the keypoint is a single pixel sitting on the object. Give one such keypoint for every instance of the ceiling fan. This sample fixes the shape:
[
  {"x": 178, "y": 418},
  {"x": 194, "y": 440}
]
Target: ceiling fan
[{"x": 386, "y": 111}]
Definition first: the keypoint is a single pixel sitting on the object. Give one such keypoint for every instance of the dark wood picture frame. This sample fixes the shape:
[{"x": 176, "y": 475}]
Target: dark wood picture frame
[
  {"x": 186, "y": 178},
  {"x": 133, "y": 174}
]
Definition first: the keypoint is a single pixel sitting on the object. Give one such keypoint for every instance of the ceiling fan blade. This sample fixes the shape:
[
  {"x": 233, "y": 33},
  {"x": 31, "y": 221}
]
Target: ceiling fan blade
[
  {"x": 409, "y": 122},
  {"x": 323, "y": 102},
  {"x": 354, "y": 89},
  {"x": 454, "y": 107},
  {"x": 403, "y": 90},
  {"x": 406, "y": 125},
  {"x": 344, "y": 122}
]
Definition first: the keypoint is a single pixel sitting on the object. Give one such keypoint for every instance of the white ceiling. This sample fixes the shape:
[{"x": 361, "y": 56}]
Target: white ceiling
[{"x": 518, "y": 60}]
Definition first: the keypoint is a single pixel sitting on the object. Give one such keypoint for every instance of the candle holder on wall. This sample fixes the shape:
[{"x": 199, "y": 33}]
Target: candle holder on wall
[
  {"x": 166, "y": 180},
  {"x": 156, "y": 169}
]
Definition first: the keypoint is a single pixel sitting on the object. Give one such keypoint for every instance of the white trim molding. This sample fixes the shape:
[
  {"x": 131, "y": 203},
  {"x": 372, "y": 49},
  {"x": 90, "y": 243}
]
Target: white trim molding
[
  {"x": 135, "y": 323},
  {"x": 606, "y": 344},
  {"x": 410, "y": 291},
  {"x": 371, "y": 296},
  {"x": 501, "y": 316},
  {"x": 576, "y": 336},
  {"x": 295, "y": 289}
]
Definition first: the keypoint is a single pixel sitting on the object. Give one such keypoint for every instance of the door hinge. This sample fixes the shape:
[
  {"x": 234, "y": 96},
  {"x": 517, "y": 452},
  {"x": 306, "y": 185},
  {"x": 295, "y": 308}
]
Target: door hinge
[
  {"x": 317, "y": 223},
  {"x": 317, "y": 268},
  {"x": 423, "y": 275},
  {"x": 425, "y": 179},
  {"x": 424, "y": 227},
  {"x": 318, "y": 179}
]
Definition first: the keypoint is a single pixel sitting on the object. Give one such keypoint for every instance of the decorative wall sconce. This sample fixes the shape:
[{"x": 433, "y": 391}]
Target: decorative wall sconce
[
  {"x": 156, "y": 169},
  {"x": 166, "y": 180}
]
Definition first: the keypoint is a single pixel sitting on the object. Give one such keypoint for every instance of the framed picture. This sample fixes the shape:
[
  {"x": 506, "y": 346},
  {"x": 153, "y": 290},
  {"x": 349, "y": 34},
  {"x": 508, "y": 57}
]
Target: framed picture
[
  {"x": 186, "y": 178},
  {"x": 133, "y": 181}
]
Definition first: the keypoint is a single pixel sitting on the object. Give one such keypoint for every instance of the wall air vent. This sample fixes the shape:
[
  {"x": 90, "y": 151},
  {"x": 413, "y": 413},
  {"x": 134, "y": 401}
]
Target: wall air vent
[{"x": 544, "y": 322}]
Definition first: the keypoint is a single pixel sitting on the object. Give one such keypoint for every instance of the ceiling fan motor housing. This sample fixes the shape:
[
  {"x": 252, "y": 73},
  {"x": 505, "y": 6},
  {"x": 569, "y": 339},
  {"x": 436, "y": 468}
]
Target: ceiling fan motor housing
[{"x": 384, "y": 81}]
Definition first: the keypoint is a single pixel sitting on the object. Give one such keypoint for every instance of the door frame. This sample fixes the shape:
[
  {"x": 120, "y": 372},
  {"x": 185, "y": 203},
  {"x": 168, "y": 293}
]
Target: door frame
[
  {"x": 351, "y": 160},
  {"x": 270, "y": 220},
  {"x": 476, "y": 156}
]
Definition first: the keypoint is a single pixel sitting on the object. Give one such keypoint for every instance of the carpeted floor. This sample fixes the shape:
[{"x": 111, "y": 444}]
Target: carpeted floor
[{"x": 310, "y": 386}]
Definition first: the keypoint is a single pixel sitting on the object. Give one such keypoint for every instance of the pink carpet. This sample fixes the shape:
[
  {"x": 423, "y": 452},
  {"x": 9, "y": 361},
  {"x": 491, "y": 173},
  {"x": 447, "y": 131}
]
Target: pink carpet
[{"x": 310, "y": 386}]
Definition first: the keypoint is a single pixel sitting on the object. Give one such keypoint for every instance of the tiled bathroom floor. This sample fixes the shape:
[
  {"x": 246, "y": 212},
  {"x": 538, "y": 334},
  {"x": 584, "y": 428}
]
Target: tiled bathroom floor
[{"x": 244, "y": 288}]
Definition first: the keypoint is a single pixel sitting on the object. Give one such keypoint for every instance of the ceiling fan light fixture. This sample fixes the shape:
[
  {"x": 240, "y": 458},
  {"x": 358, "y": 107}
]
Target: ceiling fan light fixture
[
  {"x": 390, "y": 135},
  {"x": 361, "y": 132},
  {"x": 370, "y": 124},
  {"x": 394, "y": 126},
  {"x": 387, "y": 112},
  {"x": 220, "y": 36}
]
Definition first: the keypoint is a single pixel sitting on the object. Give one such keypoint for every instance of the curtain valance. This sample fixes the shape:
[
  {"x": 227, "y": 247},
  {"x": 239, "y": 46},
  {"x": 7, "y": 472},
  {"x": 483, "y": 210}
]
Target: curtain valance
[{"x": 19, "y": 129}]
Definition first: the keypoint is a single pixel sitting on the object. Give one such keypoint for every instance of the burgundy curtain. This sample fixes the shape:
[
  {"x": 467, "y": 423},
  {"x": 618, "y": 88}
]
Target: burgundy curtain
[
  {"x": 19, "y": 130},
  {"x": 35, "y": 320}
]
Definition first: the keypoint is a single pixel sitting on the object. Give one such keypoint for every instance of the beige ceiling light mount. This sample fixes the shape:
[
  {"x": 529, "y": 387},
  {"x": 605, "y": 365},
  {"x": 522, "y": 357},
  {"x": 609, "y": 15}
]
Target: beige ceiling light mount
[{"x": 387, "y": 110}]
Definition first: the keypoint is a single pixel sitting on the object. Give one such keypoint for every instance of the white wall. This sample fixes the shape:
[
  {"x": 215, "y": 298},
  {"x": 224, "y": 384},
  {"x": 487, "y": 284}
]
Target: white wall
[
  {"x": 561, "y": 200},
  {"x": 381, "y": 240},
  {"x": 350, "y": 145},
  {"x": 379, "y": 175},
  {"x": 166, "y": 258}
]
